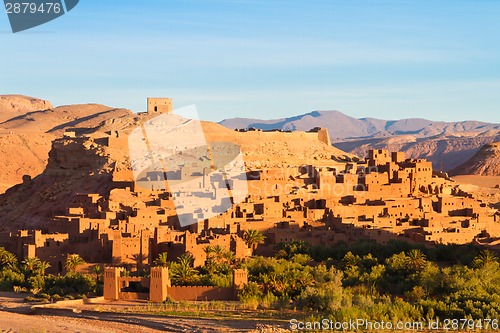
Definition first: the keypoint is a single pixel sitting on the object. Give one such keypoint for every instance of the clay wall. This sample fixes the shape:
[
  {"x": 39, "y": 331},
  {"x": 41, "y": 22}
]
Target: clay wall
[
  {"x": 166, "y": 235},
  {"x": 426, "y": 204},
  {"x": 392, "y": 190},
  {"x": 326, "y": 178},
  {"x": 402, "y": 208},
  {"x": 257, "y": 225},
  {"x": 398, "y": 157},
  {"x": 261, "y": 136},
  {"x": 92, "y": 251},
  {"x": 131, "y": 250},
  {"x": 452, "y": 237},
  {"x": 201, "y": 293},
  {"x": 378, "y": 157},
  {"x": 340, "y": 188},
  {"x": 448, "y": 204},
  {"x": 375, "y": 178}
]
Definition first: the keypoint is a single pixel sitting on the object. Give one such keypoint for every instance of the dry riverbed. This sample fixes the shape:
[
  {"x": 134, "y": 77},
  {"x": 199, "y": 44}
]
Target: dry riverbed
[{"x": 17, "y": 316}]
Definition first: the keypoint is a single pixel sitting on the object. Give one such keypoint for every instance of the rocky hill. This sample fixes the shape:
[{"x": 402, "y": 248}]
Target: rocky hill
[
  {"x": 56, "y": 120},
  {"x": 12, "y": 105},
  {"x": 74, "y": 167},
  {"x": 445, "y": 144},
  {"x": 28, "y": 126},
  {"x": 486, "y": 162}
]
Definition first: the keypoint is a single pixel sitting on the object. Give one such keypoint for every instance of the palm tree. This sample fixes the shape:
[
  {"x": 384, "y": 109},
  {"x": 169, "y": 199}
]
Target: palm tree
[
  {"x": 183, "y": 272},
  {"x": 219, "y": 259},
  {"x": 484, "y": 258},
  {"x": 73, "y": 261},
  {"x": 229, "y": 257},
  {"x": 351, "y": 260},
  {"x": 31, "y": 264},
  {"x": 276, "y": 283},
  {"x": 416, "y": 260},
  {"x": 7, "y": 259},
  {"x": 304, "y": 279},
  {"x": 97, "y": 271},
  {"x": 220, "y": 255},
  {"x": 161, "y": 261},
  {"x": 218, "y": 252},
  {"x": 42, "y": 267},
  {"x": 253, "y": 238}
]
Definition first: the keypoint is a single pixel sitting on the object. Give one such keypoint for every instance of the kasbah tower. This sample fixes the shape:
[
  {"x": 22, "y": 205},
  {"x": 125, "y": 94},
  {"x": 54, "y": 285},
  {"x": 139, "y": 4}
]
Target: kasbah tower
[{"x": 159, "y": 105}]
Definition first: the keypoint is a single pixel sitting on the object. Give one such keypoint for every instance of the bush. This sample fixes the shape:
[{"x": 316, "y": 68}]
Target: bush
[
  {"x": 268, "y": 301},
  {"x": 326, "y": 297},
  {"x": 250, "y": 290},
  {"x": 10, "y": 278},
  {"x": 250, "y": 303},
  {"x": 70, "y": 284},
  {"x": 36, "y": 299}
]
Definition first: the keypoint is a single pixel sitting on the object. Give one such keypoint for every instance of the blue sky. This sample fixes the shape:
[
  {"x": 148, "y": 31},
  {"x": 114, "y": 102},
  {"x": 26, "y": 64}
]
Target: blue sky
[{"x": 266, "y": 59}]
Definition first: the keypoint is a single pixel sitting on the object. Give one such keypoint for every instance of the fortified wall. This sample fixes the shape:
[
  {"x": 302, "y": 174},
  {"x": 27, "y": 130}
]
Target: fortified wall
[{"x": 157, "y": 287}]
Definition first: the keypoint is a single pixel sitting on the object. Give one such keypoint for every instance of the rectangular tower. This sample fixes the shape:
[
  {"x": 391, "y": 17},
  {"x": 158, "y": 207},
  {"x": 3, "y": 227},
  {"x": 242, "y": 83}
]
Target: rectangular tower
[
  {"x": 159, "y": 105},
  {"x": 112, "y": 283},
  {"x": 159, "y": 281}
]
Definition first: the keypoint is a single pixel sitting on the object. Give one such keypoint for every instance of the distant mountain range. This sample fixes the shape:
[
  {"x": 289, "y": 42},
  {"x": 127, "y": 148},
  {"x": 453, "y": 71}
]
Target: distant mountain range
[
  {"x": 446, "y": 144},
  {"x": 342, "y": 126}
]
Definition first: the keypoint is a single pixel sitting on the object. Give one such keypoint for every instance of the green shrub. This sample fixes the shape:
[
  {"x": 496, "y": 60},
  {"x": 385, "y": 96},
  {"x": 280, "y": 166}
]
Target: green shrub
[{"x": 70, "y": 284}]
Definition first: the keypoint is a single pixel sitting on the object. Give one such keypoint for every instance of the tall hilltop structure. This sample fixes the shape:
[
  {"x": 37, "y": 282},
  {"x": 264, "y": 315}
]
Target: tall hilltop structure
[
  {"x": 87, "y": 200},
  {"x": 159, "y": 105}
]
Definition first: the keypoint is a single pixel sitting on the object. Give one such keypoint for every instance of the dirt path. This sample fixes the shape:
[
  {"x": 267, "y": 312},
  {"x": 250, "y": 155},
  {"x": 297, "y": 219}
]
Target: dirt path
[
  {"x": 109, "y": 322},
  {"x": 21, "y": 323}
]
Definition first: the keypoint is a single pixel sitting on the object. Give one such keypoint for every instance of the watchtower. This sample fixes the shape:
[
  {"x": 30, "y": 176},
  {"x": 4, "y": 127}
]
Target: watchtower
[
  {"x": 112, "y": 283},
  {"x": 159, "y": 105},
  {"x": 158, "y": 284},
  {"x": 240, "y": 278}
]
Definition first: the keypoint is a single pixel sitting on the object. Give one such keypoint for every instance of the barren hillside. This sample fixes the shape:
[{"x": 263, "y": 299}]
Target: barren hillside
[
  {"x": 29, "y": 125},
  {"x": 486, "y": 162},
  {"x": 14, "y": 105}
]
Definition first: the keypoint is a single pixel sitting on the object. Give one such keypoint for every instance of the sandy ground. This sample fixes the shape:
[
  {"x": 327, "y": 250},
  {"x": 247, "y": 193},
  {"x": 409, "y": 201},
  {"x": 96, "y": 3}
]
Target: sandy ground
[
  {"x": 482, "y": 187},
  {"x": 17, "y": 316},
  {"x": 481, "y": 181},
  {"x": 13, "y": 322}
]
